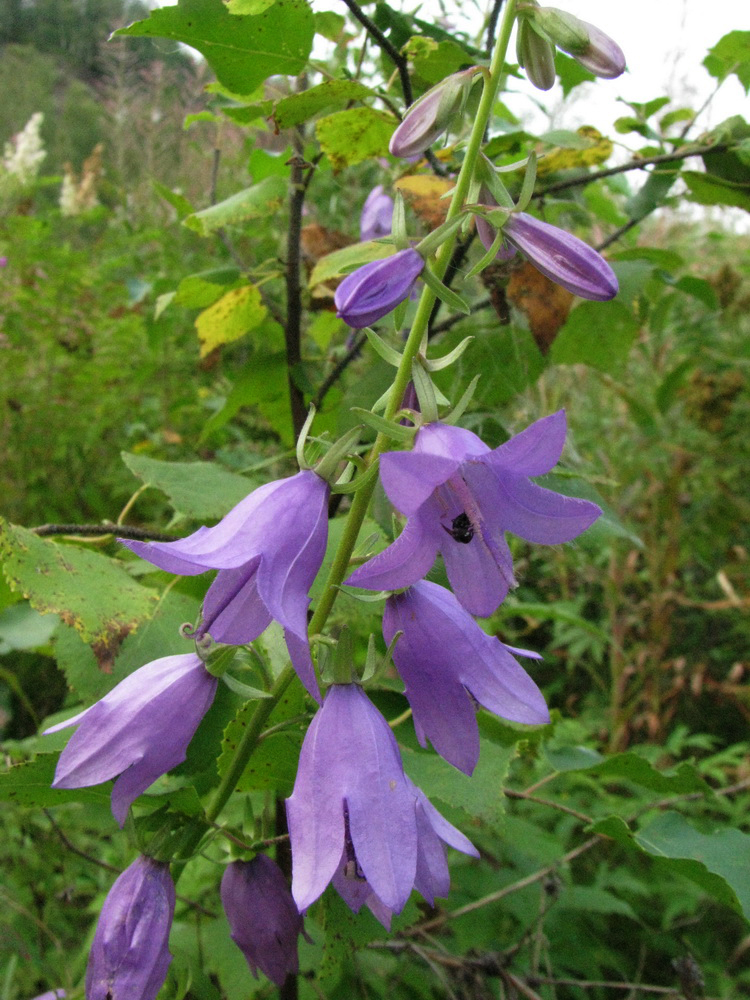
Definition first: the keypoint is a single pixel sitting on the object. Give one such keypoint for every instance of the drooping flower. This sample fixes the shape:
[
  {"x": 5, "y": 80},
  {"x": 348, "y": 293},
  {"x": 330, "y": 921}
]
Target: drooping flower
[
  {"x": 432, "y": 114},
  {"x": 377, "y": 215},
  {"x": 460, "y": 498},
  {"x": 264, "y": 921},
  {"x": 562, "y": 257},
  {"x": 595, "y": 51},
  {"x": 353, "y": 814},
  {"x": 447, "y": 662},
  {"x": 268, "y": 550},
  {"x": 139, "y": 730},
  {"x": 372, "y": 291},
  {"x": 130, "y": 956}
]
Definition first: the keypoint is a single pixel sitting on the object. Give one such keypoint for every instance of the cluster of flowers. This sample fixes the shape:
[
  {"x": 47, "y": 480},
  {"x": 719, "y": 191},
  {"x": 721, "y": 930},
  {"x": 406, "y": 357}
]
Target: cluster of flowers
[
  {"x": 372, "y": 291},
  {"x": 355, "y": 818},
  {"x": 23, "y": 155}
]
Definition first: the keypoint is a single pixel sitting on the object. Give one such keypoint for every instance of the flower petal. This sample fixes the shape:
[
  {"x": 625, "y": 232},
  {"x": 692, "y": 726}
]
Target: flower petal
[
  {"x": 535, "y": 450},
  {"x": 410, "y": 477},
  {"x": 404, "y": 561},
  {"x": 232, "y": 609}
]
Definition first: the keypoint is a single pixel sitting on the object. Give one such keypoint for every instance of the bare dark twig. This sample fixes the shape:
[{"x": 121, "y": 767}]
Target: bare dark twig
[
  {"x": 492, "y": 27},
  {"x": 298, "y": 184},
  {"x": 386, "y": 45},
  {"x": 106, "y": 528},
  {"x": 338, "y": 370}
]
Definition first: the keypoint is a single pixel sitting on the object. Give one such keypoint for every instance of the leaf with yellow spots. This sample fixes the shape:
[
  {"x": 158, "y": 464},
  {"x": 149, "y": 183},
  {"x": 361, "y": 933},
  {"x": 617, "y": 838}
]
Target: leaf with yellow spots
[
  {"x": 234, "y": 315},
  {"x": 348, "y": 137},
  {"x": 425, "y": 195},
  {"x": 595, "y": 148}
]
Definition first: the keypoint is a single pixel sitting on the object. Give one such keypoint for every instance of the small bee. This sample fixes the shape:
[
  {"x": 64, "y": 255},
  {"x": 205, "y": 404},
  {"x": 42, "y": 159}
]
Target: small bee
[{"x": 461, "y": 529}]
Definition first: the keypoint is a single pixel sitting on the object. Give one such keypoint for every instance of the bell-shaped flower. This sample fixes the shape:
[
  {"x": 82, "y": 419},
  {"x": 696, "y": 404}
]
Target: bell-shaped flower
[
  {"x": 264, "y": 921},
  {"x": 562, "y": 257},
  {"x": 354, "y": 816},
  {"x": 372, "y": 291},
  {"x": 130, "y": 957},
  {"x": 268, "y": 550},
  {"x": 139, "y": 730},
  {"x": 595, "y": 51},
  {"x": 377, "y": 215},
  {"x": 460, "y": 497},
  {"x": 448, "y": 663},
  {"x": 432, "y": 114}
]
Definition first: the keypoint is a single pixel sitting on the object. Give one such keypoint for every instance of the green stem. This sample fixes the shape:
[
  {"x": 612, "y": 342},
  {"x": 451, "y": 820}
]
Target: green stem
[{"x": 362, "y": 498}]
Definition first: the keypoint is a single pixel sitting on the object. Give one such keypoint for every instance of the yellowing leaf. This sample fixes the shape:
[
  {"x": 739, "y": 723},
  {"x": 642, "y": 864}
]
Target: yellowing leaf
[
  {"x": 230, "y": 318},
  {"x": 598, "y": 149},
  {"x": 425, "y": 195},
  {"x": 348, "y": 137}
]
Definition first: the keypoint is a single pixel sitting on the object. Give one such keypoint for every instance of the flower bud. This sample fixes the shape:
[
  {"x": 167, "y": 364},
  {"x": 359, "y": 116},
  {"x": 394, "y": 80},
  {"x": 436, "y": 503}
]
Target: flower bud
[
  {"x": 130, "y": 956},
  {"x": 262, "y": 916},
  {"x": 487, "y": 233},
  {"x": 377, "y": 215},
  {"x": 370, "y": 292},
  {"x": 431, "y": 115},
  {"x": 535, "y": 55},
  {"x": 595, "y": 51},
  {"x": 563, "y": 258}
]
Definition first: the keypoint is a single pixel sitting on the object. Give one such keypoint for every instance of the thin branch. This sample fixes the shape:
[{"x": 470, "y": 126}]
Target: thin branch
[
  {"x": 338, "y": 370},
  {"x": 492, "y": 27},
  {"x": 298, "y": 183},
  {"x": 493, "y": 897},
  {"x": 386, "y": 45},
  {"x": 512, "y": 794},
  {"x": 103, "y": 529},
  {"x": 635, "y": 164},
  {"x": 451, "y": 321},
  {"x": 606, "y": 984}
]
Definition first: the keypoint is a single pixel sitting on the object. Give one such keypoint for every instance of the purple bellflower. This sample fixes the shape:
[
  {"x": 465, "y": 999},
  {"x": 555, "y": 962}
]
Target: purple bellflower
[
  {"x": 447, "y": 662},
  {"x": 50, "y": 994},
  {"x": 139, "y": 730},
  {"x": 372, "y": 291},
  {"x": 431, "y": 115},
  {"x": 268, "y": 550},
  {"x": 129, "y": 958},
  {"x": 262, "y": 916},
  {"x": 460, "y": 498},
  {"x": 377, "y": 215},
  {"x": 559, "y": 255},
  {"x": 354, "y": 815},
  {"x": 595, "y": 51}
]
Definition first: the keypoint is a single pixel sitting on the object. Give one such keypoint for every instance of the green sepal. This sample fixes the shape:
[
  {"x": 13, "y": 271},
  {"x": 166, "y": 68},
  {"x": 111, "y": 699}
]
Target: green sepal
[
  {"x": 218, "y": 659},
  {"x": 425, "y": 392},
  {"x": 437, "y": 237},
  {"x": 398, "y": 225},
  {"x": 527, "y": 188},
  {"x": 444, "y": 293},
  {"x": 388, "y": 354},
  {"x": 438, "y": 364},
  {"x": 397, "y": 432},
  {"x": 327, "y": 466},
  {"x": 302, "y": 438},
  {"x": 357, "y": 483},
  {"x": 459, "y": 409},
  {"x": 244, "y": 690},
  {"x": 489, "y": 256}
]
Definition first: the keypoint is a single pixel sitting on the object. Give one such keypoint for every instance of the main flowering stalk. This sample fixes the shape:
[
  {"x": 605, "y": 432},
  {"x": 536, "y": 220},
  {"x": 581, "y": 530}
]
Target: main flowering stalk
[{"x": 418, "y": 331}]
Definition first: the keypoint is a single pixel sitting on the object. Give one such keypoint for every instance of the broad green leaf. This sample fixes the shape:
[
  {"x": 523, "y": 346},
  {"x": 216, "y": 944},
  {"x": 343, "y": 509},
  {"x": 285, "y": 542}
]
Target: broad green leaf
[
  {"x": 479, "y": 795},
  {"x": 599, "y": 334},
  {"x": 699, "y": 289},
  {"x": 328, "y": 96},
  {"x": 329, "y": 25},
  {"x": 197, "y": 291},
  {"x": 21, "y": 627},
  {"x": 248, "y": 6},
  {"x": 433, "y": 60},
  {"x": 629, "y": 766},
  {"x": 570, "y": 73},
  {"x": 87, "y": 590},
  {"x": 333, "y": 265},
  {"x": 262, "y": 199},
  {"x": 263, "y": 385},
  {"x": 200, "y": 490},
  {"x": 652, "y": 194},
  {"x": 274, "y": 762},
  {"x": 179, "y": 202},
  {"x": 706, "y": 189},
  {"x": 243, "y": 51},
  {"x": 28, "y": 784},
  {"x": 731, "y": 54},
  {"x": 348, "y": 137},
  {"x": 572, "y": 758},
  {"x": 231, "y": 317}
]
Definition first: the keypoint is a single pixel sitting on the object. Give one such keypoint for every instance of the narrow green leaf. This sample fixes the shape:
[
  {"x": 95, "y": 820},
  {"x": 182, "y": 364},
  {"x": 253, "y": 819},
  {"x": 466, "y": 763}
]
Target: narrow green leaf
[{"x": 256, "y": 202}]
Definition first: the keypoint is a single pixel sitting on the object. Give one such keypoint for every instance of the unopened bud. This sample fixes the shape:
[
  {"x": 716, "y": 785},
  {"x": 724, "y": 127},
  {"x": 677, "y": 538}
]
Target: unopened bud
[
  {"x": 487, "y": 233},
  {"x": 535, "y": 55},
  {"x": 431, "y": 115},
  {"x": 595, "y": 51},
  {"x": 562, "y": 257},
  {"x": 372, "y": 291}
]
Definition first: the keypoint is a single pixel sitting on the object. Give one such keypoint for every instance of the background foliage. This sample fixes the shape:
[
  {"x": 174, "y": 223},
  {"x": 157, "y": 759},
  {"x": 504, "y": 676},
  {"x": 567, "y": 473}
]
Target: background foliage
[{"x": 144, "y": 381}]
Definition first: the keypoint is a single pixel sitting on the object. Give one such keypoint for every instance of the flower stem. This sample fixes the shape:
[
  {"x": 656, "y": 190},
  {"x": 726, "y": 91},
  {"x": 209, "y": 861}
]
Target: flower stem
[{"x": 362, "y": 498}]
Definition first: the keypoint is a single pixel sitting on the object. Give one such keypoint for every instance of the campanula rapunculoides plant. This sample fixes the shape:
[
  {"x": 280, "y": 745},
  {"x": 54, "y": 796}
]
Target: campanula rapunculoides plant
[{"x": 354, "y": 817}]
